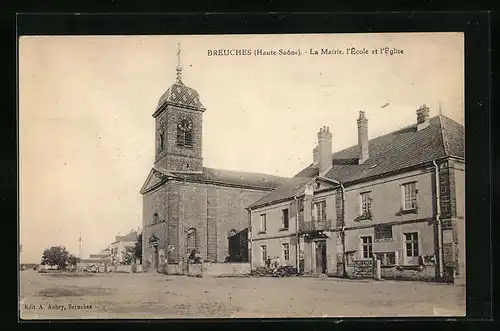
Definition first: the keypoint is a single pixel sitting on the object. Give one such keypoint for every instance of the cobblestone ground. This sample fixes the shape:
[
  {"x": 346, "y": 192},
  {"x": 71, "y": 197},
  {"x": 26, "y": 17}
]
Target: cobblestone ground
[{"x": 59, "y": 296}]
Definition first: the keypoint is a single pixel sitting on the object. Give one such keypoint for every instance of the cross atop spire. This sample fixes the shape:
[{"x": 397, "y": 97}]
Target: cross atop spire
[{"x": 179, "y": 67}]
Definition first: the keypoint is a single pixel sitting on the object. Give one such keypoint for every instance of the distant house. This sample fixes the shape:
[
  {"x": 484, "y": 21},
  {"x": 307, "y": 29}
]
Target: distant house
[
  {"x": 102, "y": 255},
  {"x": 122, "y": 245}
]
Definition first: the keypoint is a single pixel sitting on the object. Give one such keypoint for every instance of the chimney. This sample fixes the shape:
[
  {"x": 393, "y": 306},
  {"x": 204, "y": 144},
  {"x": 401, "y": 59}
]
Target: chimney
[
  {"x": 324, "y": 150},
  {"x": 363, "y": 138},
  {"x": 422, "y": 117},
  {"x": 316, "y": 155}
]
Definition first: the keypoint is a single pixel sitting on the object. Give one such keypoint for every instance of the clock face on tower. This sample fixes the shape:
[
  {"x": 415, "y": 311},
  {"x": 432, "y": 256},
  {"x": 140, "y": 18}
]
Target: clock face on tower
[{"x": 185, "y": 124}]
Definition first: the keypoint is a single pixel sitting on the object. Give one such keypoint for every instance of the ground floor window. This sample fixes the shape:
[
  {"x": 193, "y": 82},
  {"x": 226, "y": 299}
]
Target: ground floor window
[
  {"x": 367, "y": 245},
  {"x": 411, "y": 242},
  {"x": 386, "y": 258},
  {"x": 263, "y": 253},
  {"x": 286, "y": 251}
]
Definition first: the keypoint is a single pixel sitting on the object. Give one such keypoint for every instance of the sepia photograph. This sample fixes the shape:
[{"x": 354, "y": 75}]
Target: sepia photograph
[{"x": 242, "y": 176}]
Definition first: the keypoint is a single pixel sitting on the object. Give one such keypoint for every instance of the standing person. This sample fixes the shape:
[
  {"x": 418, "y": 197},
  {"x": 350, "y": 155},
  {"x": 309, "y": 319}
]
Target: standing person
[{"x": 192, "y": 256}]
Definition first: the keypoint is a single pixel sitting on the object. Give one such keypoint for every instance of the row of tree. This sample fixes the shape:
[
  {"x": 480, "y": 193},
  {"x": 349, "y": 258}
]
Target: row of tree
[{"x": 59, "y": 256}]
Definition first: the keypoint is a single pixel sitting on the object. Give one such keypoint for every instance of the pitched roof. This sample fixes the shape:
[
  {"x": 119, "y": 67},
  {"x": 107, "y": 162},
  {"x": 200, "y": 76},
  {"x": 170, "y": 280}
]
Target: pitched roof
[
  {"x": 231, "y": 177},
  {"x": 394, "y": 151},
  {"x": 293, "y": 186},
  {"x": 222, "y": 177}
]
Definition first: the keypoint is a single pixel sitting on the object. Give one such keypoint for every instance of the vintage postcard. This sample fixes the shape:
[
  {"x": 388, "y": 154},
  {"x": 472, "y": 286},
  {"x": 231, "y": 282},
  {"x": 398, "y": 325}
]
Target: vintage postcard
[{"x": 237, "y": 176}]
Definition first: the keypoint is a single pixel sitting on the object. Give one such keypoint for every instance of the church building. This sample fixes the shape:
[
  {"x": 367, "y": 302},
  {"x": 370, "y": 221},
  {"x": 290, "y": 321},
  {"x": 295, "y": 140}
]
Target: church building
[{"x": 187, "y": 206}]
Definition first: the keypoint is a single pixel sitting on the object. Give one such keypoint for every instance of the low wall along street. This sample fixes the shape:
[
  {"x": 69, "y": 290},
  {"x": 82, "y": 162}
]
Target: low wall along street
[
  {"x": 219, "y": 269},
  {"x": 364, "y": 269}
]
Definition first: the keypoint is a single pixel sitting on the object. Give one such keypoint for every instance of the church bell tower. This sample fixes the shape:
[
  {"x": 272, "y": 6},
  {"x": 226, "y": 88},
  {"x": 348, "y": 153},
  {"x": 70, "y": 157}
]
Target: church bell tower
[{"x": 178, "y": 136}]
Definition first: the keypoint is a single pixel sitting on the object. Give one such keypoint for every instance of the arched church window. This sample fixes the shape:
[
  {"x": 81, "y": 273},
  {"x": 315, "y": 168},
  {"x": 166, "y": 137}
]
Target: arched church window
[
  {"x": 191, "y": 241},
  {"x": 155, "y": 218},
  {"x": 185, "y": 132}
]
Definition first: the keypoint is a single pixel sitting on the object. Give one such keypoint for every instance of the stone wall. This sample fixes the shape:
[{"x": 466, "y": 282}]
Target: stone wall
[
  {"x": 226, "y": 269},
  {"x": 416, "y": 273},
  {"x": 211, "y": 210},
  {"x": 364, "y": 269}
]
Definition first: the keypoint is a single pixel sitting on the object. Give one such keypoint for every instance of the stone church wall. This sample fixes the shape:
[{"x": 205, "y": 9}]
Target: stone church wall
[
  {"x": 213, "y": 211},
  {"x": 231, "y": 214},
  {"x": 154, "y": 202},
  {"x": 193, "y": 215}
]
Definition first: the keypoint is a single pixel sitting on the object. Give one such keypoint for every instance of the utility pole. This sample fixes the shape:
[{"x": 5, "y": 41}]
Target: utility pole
[
  {"x": 342, "y": 233},
  {"x": 79, "y": 263}
]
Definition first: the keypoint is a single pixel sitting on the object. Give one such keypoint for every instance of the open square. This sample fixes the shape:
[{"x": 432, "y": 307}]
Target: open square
[{"x": 159, "y": 296}]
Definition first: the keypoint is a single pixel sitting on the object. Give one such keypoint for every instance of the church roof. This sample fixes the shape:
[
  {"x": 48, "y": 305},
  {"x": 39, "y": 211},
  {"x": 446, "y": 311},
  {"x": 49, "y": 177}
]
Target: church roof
[
  {"x": 395, "y": 151},
  {"x": 231, "y": 178},
  {"x": 180, "y": 94}
]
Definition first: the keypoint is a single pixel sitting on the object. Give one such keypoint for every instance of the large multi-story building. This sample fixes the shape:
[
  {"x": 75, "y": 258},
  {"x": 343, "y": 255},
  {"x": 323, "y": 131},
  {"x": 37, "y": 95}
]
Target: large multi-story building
[
  {"x": 187, "y": 206},
  {"x": 398, "y": 198}
]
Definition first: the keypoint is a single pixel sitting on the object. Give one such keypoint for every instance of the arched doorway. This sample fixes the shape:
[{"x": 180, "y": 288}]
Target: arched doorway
[{"x": 191, "y": 241}]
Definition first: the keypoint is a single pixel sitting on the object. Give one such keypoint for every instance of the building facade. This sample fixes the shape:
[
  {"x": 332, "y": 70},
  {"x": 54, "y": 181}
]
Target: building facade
[
  {"x": 397, "y": 198},
  {"x": 188, "y": 207},
  {"x": 121, "y": 246}
]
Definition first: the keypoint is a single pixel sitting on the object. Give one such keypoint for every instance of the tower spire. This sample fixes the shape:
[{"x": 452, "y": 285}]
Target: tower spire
[{"x": 179, "y": 67}]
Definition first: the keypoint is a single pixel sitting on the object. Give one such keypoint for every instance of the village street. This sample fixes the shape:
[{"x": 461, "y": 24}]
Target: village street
[{"x": 55, "y": 296}]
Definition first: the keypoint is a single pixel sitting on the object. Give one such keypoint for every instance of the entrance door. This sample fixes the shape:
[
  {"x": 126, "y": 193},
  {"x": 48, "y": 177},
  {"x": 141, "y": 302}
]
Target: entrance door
[
  {"x": 321, "y": 256},
  {"x": 155, "y": 259},
  {"x": 238, "y": 246}
]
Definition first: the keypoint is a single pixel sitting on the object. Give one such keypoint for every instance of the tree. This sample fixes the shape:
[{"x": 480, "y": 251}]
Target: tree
[
  {"x": 72, "y": 260},
  {"x": 55, "y": 256},
  {"x": 138, "y": 247},
  {"x": 127, "y": 257}
]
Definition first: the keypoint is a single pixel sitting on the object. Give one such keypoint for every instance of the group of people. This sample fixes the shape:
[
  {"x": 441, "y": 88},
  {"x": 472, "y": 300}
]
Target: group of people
[{"x": 272, "y": 263}]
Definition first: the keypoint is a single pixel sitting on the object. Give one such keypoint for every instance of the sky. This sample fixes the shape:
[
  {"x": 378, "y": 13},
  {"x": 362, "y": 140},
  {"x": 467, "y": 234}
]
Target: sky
[{"x": 86, "y": 134}]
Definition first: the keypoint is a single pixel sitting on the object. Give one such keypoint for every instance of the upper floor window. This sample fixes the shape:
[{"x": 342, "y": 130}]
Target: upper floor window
[
  {"x": 263, "y": 223},
  {"x": 410, "y": 196},
  {"x": 285, "y": 218},
  {"x": 156, "y": 218},
  {"x": 366, "y": 203},
  {"x": 185, "y": 132},
  {"x": 320, "y": 211}
]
